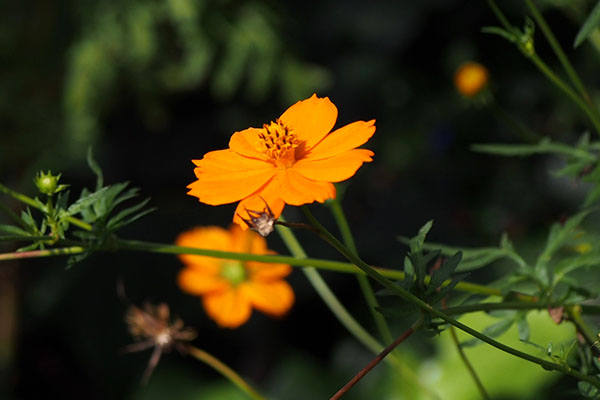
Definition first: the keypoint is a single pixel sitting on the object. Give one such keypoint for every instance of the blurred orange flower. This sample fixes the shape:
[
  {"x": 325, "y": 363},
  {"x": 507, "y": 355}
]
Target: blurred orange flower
[
  {"x": 231, "y": 288},
  {"x": 293, "y": 160},
  {"x": 471, "y": 78}
]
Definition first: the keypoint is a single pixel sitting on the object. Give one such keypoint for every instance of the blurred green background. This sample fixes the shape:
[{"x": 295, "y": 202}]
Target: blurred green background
[{"x": 152, "y": 84}]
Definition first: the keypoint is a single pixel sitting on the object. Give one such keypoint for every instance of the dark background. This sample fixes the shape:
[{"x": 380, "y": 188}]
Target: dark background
[{"x": 151, "y": 85}]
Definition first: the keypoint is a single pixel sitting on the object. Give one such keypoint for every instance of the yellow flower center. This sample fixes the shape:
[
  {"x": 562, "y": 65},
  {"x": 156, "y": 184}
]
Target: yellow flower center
[
  {"x": 233, "y": 271},
  {"x": 279, "y": 144}
]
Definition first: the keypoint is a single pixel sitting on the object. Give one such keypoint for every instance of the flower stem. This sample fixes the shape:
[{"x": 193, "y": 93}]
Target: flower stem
[
  {"x": 363, "y": 281},
  {"x": 574, "y": 314},
  {"x": 468, "y": 364},
  {"x": 585, "y": 107},
  {"x": 42, "y": 253},
  {"x": 560, "y": 54},
  {"x": 409, "y": 297},
  {"x": 224, "y": 370},
  {"x": 340, "y": 311},
  {"x": 523, "y": 132},
  {"x": 505, "y": 305},
  {"x": 327, "y": 295},
  {"x": 361, "y": 374},
  {"x": 543, "y": 67},
  {"x": 31, "y": 202}
]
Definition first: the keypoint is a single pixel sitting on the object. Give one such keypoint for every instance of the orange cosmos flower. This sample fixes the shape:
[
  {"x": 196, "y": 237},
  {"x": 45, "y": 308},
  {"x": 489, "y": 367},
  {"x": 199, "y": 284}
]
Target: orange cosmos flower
[
  {"x": 231, "y": 288},
  {"x": 293, "y": 160},
  {"x": 470, "y": 78}
]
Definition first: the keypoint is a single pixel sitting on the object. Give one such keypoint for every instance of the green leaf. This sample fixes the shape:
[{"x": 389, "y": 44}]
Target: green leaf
[
  {"x": 131, "y": 219},
  {"x": 559, "y": 234},
  {"x": 587, "y": 390},
  {"x": 96, "y": 168},
  {"x": 492, "y": 331},
  {"x": 570, "y": 264},
  {"x": 545, "y": 146},
  {"x": 591, "y": 23},
  {"x": 13, "y": 230},
  {"x": 446, "y": 269},
  {"x": 495, "y": 30},
  {"x": 523, "y": 326},
  {"x": 472, "y": 258},
  {"x": 126, "y": 212},
  {"x": 86, "y": 201},
  {"x": 416, "y": 243}
]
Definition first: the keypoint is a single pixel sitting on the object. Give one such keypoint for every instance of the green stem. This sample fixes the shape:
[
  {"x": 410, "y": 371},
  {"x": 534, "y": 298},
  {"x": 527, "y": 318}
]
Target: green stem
[
  {"x": 574, "y": 313},
  {"x": 31, "y": 202},
  {"x": 340, "y": 311},
  {"x": 224, "y": 370},
  {"x": 328, "y": 265},
  {"x": 560, "y": 54},
  {"x": 363, "y": 281},
  {"x": 512, "y": 123},
  {"x": 500, "y": 15},
  {"x": 42, "y": 253},
  {"x": 591, "y": 114},
  {"x": 505, "y": 305},
  {"x": 409, "y": 297},
  {"x": 468, "y": 364},
  {"x": 327, "y": 295},
  {"x": 13, "y": 216},
  {"x": 541, "y": 65}
]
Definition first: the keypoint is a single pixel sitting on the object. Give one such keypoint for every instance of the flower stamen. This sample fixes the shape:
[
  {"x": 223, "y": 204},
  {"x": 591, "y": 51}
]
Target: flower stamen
[{"x": 279, "y": 144}]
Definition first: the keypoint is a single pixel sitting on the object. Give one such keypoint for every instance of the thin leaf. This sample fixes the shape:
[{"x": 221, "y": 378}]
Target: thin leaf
[
  {"x": 559, "y": 234},
  {"x": 132, "y": 219},
  {"x": 446, "y": 269},
  {"x": 14, "y": 230},
  {"x": 571, "y": 264},
  {"x": 591, "y": 23},
  {"x": 493, "y": 331},
  {"x": 96, "y": 168},
  {"x": 545, "y": 146},
  {"x": 124, "y": 213},
  {"x": 523, "y": 326},
  {"x": 86, "y": 202},
  {"x": 416, "y": 243},
  {"x": 495, "y": 30}
]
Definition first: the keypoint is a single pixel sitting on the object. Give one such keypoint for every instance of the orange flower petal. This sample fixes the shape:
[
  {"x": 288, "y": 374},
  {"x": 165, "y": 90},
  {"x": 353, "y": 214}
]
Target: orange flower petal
[
  {"x": 245, "y": 241},
  {"x": 334, "y": 169},
  {"x": 247, "y": 143},
  {"x": 296, "y": 190},
  {"x": 273, "y": 298},
  {"x": 311, "y": 119},
  {"x": 256, "y": 202},
  {"x": 193, "y": 281},
  {"x": 229, "y": 309},
  {"x": 226, "y": 160},
  {"x": 228, "y": 177},
  {"x": 341, "y": 140},
  {"x": 210, "y": 237},
  {"x": 267, "y": 272}
]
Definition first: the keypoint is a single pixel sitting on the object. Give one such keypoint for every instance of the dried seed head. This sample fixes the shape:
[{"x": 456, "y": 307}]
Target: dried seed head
[
  {"x": 262, "y": 222},
  {"x": 152, "y": 327}
]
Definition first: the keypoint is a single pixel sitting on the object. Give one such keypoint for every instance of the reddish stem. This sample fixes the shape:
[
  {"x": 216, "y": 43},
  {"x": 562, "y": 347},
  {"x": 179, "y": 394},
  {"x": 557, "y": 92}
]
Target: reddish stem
[{"x": 373, "y": 363}]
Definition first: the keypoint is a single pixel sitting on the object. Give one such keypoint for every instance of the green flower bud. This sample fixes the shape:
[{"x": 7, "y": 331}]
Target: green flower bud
[{"x": 48, "y": 183}]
